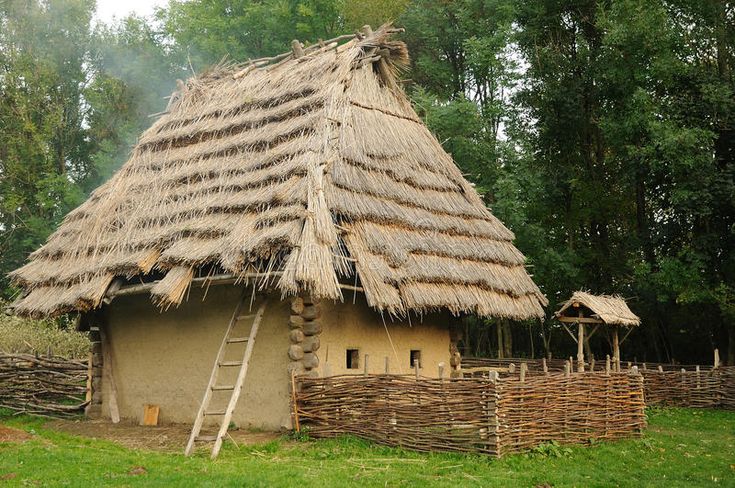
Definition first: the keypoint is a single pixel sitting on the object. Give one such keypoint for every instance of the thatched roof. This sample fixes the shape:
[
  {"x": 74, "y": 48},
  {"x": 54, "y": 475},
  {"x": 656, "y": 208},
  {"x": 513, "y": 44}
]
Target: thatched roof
[
  {"x": 305, "y": 171},
  {"x": 611, "y": 310}
]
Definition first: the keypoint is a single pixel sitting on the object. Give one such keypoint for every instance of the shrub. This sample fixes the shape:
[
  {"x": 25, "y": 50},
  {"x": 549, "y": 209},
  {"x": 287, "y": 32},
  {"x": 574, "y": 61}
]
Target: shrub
[{"x": 20, "y": 335}]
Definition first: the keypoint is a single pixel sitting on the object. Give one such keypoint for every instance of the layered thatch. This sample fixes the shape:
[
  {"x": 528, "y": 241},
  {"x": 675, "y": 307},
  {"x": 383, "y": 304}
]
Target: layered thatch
[
  {"x": 306, "y": 171},
  {"x": 611, "y": 310}
]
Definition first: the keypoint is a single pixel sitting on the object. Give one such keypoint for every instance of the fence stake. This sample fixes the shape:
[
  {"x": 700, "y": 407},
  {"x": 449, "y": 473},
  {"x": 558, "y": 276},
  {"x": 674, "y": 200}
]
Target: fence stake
[
  {"x": 524, "y": 368},
  {"x": 441, "y": 371},
  {"x": 386, "y": 365},
  {"x": 544, "y": 366},
  {"x": 365, "y": 373},
  {"x": 717, "y": 358},
  {"x": 607, "y": 364},
  {"x": 416, "y": 367}
]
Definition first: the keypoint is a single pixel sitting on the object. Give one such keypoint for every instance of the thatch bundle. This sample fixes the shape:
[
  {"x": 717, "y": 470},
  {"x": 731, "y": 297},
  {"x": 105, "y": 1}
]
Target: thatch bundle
[
  {"x": 316, "y": 167},
  {"x": 612, "y": 310}
]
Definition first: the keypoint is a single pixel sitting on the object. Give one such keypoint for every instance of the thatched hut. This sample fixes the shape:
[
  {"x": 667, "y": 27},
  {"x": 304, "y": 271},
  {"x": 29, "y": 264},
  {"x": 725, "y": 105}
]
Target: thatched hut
[
  {"x": 309, "y": 180},
  {"x": 586, "y": 309}
]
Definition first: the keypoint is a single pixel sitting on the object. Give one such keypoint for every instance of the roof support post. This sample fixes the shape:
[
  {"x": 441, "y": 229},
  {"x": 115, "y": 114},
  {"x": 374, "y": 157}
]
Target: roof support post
[
  {"x": 616, "y": 349},
  {"x": 580, "y": 347}
]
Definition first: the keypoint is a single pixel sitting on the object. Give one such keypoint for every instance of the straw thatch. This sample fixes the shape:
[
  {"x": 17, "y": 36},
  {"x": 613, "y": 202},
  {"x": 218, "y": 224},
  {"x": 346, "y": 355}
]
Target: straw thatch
[
  {"x": 315, "y": 167},
  {"x": 611, "y": 310}
]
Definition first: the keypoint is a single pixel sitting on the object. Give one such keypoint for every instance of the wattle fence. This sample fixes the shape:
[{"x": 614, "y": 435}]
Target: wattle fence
[
  {"x": 664, "y": 385},
  {"x": 491, "y": 415},
  {"x": 39, "y": 385}
]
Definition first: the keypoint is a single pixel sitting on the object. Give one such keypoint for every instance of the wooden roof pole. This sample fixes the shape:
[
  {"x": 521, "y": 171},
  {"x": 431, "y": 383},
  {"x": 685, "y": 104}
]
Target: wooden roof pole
[
  {"x": 580, "y": 343},
  {"x": 616, "y": 350}
]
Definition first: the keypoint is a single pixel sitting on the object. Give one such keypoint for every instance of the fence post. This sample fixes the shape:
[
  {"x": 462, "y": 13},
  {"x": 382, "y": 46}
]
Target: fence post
[
  {"x": 607, "y": 364},
  {"x": 416, "y": 367},
  {"x": 386, "y": 365},
  {"x": 544, "y": 366},
  {"x": 524, "y": 368},
  {"x": 717, "y": 359},
  {"x": 511, "y": 368},
  {"x": 441, "y": 371},
  {"x": 493, "y": 378},
  {"x": 365, "y": 371}
]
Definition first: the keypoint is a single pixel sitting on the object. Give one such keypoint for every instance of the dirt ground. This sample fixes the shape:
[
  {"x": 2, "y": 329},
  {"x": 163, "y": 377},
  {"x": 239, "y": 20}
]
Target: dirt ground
[
  {"x": 168, "y": 438},
  {"x": 8, "y": 434}
]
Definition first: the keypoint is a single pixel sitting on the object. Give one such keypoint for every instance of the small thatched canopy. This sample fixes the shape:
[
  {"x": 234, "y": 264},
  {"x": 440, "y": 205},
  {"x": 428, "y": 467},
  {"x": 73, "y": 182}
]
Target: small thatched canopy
[
  {"x": 610, "y": 310},
  {"x": 308, "y": 171}
]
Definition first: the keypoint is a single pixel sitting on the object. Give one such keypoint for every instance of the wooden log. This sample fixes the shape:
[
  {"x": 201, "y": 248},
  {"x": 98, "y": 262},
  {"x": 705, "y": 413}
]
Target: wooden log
[
  {"x": 110, "y": 376},
  {"x": 580, "y": 345}
]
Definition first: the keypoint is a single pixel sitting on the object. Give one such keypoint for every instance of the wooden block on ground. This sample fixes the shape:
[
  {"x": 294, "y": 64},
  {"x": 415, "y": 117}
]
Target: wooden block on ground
[{"x": 150, "y": 415}]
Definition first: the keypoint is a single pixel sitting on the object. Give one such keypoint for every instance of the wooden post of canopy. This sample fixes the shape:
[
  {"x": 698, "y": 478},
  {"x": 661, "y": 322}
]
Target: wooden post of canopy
[
  {"x": 580, "y": 343},
  {"x": 616, "y": 349}
]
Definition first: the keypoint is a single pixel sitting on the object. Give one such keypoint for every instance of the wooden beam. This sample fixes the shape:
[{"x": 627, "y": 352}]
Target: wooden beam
[
  {"x": 221, "y": 279},
  {"x": 616, "y": 350},
  {"x": 351, "y": 288},
  {"x": 626, "y": 335},
  {"x": 109, "y": 374},
  {"x": 580, "y": 345},
  {"x": 575, "y": 320},
  {"x": 589, "y": 336},
  {"x": 569, "y": 332}
]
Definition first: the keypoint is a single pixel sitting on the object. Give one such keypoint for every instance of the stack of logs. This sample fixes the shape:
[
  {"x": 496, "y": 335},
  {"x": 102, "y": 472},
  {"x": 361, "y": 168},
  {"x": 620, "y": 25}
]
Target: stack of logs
[
  {"x": 47, "y": 386},
  {"x": 304, "y": 336}
]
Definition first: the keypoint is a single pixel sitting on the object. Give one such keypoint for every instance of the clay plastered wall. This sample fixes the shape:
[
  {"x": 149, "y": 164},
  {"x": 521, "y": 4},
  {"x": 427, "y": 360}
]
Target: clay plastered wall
[
  {"x": 166, "y": 358},
  {"x": 348, "y": 326}
]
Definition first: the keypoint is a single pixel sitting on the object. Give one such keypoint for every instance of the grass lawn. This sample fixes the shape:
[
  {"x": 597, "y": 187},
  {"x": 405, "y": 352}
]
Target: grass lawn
[{"x": 681, "y": 447}]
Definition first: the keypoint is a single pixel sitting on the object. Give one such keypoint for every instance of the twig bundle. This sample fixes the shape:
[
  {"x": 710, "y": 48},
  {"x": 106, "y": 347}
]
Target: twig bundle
[{"x": 48, "y": 386}]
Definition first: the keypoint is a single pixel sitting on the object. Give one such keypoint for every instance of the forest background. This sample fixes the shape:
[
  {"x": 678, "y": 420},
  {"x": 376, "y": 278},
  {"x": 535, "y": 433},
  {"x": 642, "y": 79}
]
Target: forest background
[{"x": 602, "y": 132}]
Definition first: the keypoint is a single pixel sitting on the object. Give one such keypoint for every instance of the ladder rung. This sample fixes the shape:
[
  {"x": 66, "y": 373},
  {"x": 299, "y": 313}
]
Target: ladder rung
[
  {"x": 206, "y": 438},
  {"x": 230, "y": 363},
  {"x": 216, "y": 412},
  {"x": 237, "y": 339},
  {"x": 223, "y": 388},
  {"x": 243, "y": 317}
]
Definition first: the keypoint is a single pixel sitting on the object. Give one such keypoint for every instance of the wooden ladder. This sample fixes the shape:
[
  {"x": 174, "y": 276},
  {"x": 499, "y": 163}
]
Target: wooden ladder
[{"x": 228, "y": 342}]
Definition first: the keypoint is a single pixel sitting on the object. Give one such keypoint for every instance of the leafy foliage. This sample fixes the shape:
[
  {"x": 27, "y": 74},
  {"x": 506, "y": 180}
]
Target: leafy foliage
[{"x": 601, "y": 132}]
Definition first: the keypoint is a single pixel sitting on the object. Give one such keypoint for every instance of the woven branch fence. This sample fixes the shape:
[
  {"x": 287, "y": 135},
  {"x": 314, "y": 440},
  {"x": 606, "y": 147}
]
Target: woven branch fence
[
  {"x": 481, "y": 415},
  {"x": 47, "y": 386},
  {"x": 664, "y": 385}
]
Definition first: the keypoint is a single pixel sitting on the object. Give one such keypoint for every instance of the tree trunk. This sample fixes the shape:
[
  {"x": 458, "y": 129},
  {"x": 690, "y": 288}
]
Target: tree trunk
[
  {"x": 507, "y": 339},
  {"x": 501, "y": 343}
]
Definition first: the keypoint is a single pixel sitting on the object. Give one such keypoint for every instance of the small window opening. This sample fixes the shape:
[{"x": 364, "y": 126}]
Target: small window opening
[
  {"x": 415, "y": 356},
  {"x": 353, "y": 359}
]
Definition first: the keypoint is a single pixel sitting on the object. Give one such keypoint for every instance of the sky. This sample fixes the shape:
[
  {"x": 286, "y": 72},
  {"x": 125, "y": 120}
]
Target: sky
[{"x": 108, "y": 9}]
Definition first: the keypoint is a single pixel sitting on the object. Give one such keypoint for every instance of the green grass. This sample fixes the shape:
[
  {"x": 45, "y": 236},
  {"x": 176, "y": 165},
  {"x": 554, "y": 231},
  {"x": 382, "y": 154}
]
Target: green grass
[{"x": 681, "y": 447}]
